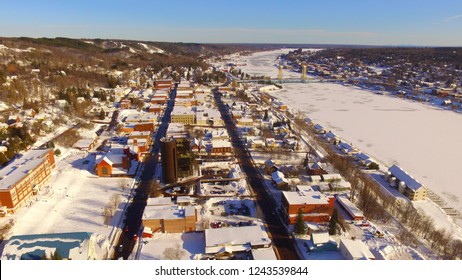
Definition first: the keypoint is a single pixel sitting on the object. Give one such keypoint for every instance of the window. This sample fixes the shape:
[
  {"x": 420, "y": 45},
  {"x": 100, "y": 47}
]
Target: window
[{"x": 104, "y": 170}]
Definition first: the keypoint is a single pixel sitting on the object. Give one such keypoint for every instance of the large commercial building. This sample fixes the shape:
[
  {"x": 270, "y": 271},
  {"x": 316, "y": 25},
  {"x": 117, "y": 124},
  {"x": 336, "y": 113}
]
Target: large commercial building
[
  {"x": 183, "y": 115},
  {"x": 315, "y": 206},
  {"x": 23, "y": 177}
]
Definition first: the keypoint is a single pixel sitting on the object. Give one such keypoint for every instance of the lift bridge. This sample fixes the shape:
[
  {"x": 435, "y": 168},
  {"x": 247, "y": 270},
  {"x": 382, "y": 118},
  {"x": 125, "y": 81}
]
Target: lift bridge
[{"x": 282, "y": 80}]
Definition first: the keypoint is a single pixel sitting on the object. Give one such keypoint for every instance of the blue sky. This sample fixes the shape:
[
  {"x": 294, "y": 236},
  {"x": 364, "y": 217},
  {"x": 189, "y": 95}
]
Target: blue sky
[{"x": 387, "y": 22}]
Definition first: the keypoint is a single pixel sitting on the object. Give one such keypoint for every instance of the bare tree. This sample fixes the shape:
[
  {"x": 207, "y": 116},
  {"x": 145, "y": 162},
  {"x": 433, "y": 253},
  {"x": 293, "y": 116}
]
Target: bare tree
[
  {"x": 111, "y": 207},
  {"x": 123, "y": 185},
  {"x": 154, "y": 189},
  {"x": 174, "y": 253}
]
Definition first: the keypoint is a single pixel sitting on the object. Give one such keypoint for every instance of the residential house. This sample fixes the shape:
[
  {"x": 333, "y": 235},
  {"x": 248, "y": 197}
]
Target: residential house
[
  {"x": 315, "y": 168},
  {"x": 270, "y": 166},
  {"x": 280, "y": 180},
  {"x": 355, "y": 250},
  {"x": 230, "y": 240},
  {"x": 321, "y": 242},
  {"x": 347, "y": 149},
  {"x": 318, "y": 129}
]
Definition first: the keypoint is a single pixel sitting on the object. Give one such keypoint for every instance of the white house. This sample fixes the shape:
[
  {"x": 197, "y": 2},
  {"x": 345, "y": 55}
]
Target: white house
[{"x": 355, "y": 250}]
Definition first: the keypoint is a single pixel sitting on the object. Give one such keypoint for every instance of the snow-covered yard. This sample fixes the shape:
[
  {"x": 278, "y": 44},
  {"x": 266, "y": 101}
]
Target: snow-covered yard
[
  {"x": 72, "y": 200},
  {"x": 192, "y": 243}
]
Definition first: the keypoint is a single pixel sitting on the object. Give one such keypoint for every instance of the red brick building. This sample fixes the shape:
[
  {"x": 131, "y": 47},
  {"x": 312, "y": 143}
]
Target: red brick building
[
  {"x": 316, "y": 207},
  {"x": 144, "y": 127},
  {"x": 112, "y": 164},
  {"x": 163, "y": 84},
  {"x": 23, "y": 177}
]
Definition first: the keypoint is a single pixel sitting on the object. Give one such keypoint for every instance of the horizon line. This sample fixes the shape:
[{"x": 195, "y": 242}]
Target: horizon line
[{"x": 247, "y": 43}]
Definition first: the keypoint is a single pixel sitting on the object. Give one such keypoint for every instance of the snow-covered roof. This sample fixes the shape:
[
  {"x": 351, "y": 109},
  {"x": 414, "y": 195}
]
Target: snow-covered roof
[
  {"x": 181, "y": 110},
  {"x": 350, "y": 207},
  {"x": 264, "y": 254},
  {"x": 357, "y": 249},
  {"x": 218, "y": 238},
  {"x": 305, "y": 197},
  {"x": 167, "y": 212},
  {"x": 401, "y": 175},
  {"x": 320, "y": 237},
  {"x": 331, "y": 177},
  {"x": 183, "y": 199},
  {"x": 155, "y": 201},
  {"x": 278, "y": 177},
  {"x": 135, "y": 134},
  {"x": 221, "y": 144},
  {"x": 110, "y": 158},
  {"x": 19, "y": 168},
  {"x": 70, "y": 245}
]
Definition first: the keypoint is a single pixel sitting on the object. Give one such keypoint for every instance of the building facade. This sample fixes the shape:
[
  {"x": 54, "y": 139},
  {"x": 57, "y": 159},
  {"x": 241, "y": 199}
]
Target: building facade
[{"x": 23, "y": 177}]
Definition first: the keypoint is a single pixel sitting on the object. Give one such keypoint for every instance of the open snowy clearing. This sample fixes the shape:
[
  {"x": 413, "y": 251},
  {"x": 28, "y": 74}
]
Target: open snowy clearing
[{"x": 192, "y": 243}]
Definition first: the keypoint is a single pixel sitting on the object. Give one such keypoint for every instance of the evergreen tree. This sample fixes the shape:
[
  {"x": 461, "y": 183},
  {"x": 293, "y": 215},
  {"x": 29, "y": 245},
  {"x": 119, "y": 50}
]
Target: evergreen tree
[
  {"x": 56, "y": 256},
  {"x": 3, "y": 159},
  {"x": 300, "y": 225},
  {"x": 265, "y": 117},
  {"x": 102, "y": 114},
  {"x": 333, "y": 223}
]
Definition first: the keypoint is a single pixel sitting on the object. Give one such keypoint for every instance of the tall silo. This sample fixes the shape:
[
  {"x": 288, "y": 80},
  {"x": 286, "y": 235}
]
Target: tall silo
[{"x": 169, "y": 161}]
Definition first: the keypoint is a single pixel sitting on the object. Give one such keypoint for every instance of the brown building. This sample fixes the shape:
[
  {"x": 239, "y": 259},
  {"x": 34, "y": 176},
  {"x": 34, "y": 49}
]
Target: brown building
[
  {"x": 316, "y": 207},
  {"x": 24, "y": 176},
  {"x": 170, "y": 218},
  {"x": 169, "y": 160},
  {"x": 144, "y": 127}
]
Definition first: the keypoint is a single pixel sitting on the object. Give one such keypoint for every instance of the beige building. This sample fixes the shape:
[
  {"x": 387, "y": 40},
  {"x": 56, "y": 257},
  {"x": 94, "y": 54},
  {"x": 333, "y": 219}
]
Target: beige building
[
  {"x": 406, "y": 184},
  {"x": 182, "y": 115},
  {"x": 170, "y": 218}
]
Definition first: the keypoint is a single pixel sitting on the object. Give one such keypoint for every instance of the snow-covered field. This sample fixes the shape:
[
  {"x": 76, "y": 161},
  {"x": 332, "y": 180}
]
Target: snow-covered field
[{"x": 422, "y": 139}]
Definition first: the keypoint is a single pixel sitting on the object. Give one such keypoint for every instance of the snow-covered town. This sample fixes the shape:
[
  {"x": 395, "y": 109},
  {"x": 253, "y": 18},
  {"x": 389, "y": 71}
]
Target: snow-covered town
[{"x": 174, "y": 167}]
